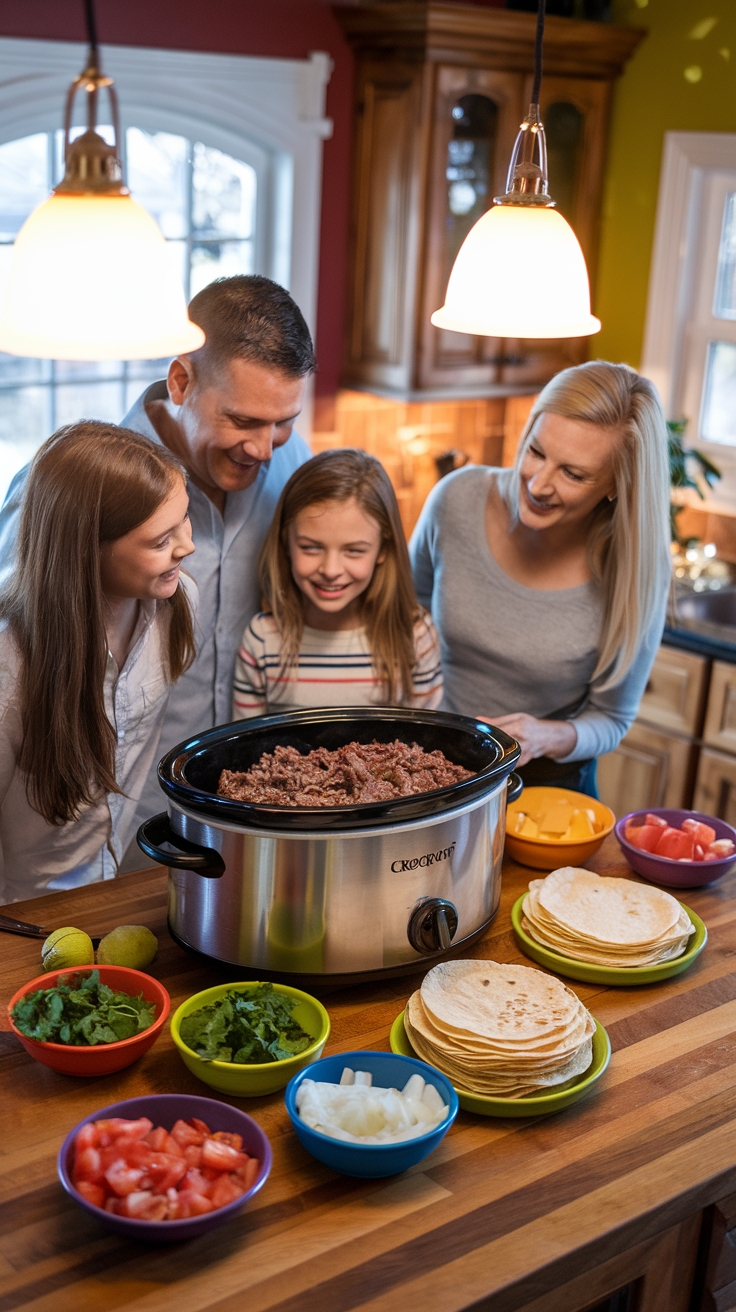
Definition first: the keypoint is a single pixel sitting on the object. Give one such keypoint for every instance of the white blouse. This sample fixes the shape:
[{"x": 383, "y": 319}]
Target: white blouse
[{"x": 36, "y": 857}]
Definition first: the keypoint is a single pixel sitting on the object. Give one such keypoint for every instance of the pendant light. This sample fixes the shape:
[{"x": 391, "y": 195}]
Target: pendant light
[
  {"x": 91, "y": 277},
  {"x": 520, "y": 271}
]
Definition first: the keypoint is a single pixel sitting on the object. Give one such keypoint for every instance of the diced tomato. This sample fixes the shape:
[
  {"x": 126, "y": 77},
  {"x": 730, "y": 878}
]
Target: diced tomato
[
  {"x": 186, "y": 1134},
  {"x": 644, "y": 837},
  {"x": 123, "y": 1179},
  {"x": 711, "y": 856},
  {"x": 220, "y": 1156},
  {"x": 699, "y": 853},
  {"x": 202, "y": 1126},
  {"x": 655, "y": 820},
  {"x": 226, "y": 1190},
  {"x": 247, "y": 1174},
  {"x": 94, "y": 1193},
  {"x": 157, "y": 1139},
  {"x": 193, "y": 1154},
  {"x": 675, "y": 844},
  {"x": 192, "y": 1204},
  {"x": 145, "y": 1206},
  {"x": 117, "y": 1127},
  {"x": 722, "y": 847},
  {"x": 87, "y": 1137},
  {"x": 88, "y": 1166},
  {"x": 198, "y": 1183},
  {"x": 113, "y": 1205},
  {"x": 235, "y": 1140},
  {"x": 703, "y": 834}
]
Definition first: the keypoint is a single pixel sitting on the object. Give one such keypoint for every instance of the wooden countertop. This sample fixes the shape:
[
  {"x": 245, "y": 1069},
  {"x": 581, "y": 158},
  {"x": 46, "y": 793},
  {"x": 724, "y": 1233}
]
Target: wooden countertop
[{"x": 503, "y": 1213}]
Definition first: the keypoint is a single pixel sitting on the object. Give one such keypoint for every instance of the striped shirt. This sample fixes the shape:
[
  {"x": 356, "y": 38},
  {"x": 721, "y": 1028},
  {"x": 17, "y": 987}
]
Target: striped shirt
[{"x": 333, "y": 669}]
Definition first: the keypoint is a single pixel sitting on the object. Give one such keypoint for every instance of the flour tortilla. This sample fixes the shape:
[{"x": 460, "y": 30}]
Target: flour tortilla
[
  {"x": 506, "y": 1004},
  {"x": 607, "y": 910}
]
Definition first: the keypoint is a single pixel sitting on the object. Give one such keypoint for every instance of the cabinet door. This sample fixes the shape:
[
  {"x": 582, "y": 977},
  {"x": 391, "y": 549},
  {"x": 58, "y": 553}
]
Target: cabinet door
[
  {"x": 720, "y": 717},
  {"x": 673, "y": 697},
  {"x": 648, "y": 768},
  {"x": 575, "y": 113},
  {"x": 476, "y": 116},
  {"x": 385, "y": 230},
  {"x": 715, "y": 787}
]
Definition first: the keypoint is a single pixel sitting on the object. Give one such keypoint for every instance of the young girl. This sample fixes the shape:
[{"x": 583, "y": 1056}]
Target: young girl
[
  {"x": 342, "y": 625},
  {"x": 96, "y": 626}
]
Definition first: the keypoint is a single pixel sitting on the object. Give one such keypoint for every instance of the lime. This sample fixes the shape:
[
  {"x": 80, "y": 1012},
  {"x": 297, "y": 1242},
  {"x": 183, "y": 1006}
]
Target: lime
[
  {"x": 67, "y": 947},
  {"x": 128, "y": 945}
]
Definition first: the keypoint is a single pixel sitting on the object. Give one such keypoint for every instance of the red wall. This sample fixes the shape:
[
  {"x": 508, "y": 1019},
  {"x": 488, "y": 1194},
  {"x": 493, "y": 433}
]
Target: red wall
[{"x": 288, "y": 29}]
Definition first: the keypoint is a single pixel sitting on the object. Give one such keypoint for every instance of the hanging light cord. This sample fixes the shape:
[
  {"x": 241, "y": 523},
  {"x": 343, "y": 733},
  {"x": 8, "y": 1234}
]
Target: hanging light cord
[
  {"x": 89, "y": 10},
  {"x": 538, "y": 43}
]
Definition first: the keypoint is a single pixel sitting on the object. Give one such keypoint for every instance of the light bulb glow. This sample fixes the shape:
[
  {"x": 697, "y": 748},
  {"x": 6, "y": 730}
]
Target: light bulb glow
[
  {"x": 519, "y": 273},
  {"x": 92, "y": 278}
]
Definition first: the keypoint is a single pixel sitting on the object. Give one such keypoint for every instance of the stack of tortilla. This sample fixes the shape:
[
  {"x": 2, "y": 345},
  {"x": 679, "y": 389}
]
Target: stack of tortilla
[
  {"x": 610, "y": 922},
  {"x": 501, "y": 1031}
]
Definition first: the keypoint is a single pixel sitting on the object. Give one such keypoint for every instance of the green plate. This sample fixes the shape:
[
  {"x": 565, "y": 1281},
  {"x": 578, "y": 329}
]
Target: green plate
[
  {"x": 623, "y": 975},
  {"x": 532, "y": 1104}
]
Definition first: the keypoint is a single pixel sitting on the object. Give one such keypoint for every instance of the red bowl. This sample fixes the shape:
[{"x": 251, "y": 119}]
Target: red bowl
[
  {"x": 662, "y": 869},
  {"x": 103, "y": 1058}
]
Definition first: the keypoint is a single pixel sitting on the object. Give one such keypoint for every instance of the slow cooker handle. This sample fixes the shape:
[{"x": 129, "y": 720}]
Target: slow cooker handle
[
  {"x": 204, "y": 861},
  {"x": 514, "y": 787}
]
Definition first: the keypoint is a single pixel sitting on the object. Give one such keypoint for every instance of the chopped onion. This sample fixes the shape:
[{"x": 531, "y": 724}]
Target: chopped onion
[{"x": 357, "y": 1111}]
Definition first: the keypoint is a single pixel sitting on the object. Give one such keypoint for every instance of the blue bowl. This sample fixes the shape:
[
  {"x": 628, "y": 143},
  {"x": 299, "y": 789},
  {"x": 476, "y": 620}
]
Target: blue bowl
[
  {"x": 371, "y": 1160},
  {"x": 165, "y": 1109}
]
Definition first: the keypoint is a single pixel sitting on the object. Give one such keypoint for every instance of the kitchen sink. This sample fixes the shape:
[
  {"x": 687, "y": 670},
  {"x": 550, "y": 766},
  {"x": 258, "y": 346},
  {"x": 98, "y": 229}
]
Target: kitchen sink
[{"x": 710, "y": 613}]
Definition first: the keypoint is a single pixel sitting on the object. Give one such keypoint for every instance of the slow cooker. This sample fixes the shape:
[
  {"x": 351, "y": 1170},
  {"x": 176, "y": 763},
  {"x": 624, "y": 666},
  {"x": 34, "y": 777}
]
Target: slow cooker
[{"x": 344, "y": 893}]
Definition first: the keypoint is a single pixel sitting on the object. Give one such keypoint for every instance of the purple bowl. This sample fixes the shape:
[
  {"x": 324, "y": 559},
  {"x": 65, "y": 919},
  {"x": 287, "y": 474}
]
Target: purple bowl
[
  {"x": 662, "y": 869},
  {"x": 165, "y": 1109}
]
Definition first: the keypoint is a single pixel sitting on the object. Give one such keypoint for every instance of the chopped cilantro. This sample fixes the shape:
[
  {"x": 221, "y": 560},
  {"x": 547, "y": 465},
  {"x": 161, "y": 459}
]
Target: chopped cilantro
[
  {"x": 246, "y": 1028},
  {"x": 82, "y": 1011}
]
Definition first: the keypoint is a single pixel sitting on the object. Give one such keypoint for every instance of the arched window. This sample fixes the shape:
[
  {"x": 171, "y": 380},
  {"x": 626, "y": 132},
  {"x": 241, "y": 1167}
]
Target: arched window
[{"x": 205, "y": 203}]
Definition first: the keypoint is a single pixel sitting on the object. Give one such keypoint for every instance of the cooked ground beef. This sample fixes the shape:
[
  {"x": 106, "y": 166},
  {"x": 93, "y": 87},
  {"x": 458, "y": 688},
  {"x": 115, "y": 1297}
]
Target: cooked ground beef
[{"x": 358, "y": 772}]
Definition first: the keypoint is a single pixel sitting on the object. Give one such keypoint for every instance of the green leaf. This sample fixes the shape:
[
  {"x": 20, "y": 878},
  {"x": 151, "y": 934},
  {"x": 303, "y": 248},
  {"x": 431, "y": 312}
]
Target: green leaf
[
  {"x": 81, "y": 1010},
  {"x": 246, "y": 1028}
]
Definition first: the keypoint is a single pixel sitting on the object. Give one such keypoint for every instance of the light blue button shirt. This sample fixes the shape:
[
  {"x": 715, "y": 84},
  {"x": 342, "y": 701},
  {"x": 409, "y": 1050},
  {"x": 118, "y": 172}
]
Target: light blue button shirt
[{"x": 225, "y": 568}]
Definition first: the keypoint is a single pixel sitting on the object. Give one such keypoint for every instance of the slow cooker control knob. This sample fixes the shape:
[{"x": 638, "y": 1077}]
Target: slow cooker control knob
[{"x": 432, "y": 925}]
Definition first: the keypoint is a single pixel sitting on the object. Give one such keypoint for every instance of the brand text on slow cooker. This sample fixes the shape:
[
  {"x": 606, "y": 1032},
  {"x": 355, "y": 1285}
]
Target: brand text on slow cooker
[{"x": 429, "y": 859}]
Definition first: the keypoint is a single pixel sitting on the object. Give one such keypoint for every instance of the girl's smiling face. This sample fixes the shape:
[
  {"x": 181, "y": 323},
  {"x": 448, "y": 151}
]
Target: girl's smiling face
[
  {"x": 145, "y": 563},
  {"x": 334, "y": 548}
]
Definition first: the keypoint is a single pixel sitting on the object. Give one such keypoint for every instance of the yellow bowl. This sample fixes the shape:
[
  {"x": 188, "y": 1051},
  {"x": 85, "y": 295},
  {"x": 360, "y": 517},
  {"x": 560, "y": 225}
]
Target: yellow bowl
[
  {"x": 550, "y": 853},
  {"x": 253, "y": 1081}
]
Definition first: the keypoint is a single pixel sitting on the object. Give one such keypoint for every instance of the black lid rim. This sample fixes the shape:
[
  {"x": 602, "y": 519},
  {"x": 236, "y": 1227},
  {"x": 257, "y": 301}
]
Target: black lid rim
[{"x": 209, "y": 806}]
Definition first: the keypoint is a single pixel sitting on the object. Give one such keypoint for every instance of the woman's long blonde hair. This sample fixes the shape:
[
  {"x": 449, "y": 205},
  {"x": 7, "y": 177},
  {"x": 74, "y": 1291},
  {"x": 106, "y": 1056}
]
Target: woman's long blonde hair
[
  {"x": 389, "y": 605},
  {"x": 628, "y": 545},
  {"x": 90, "y": 483}
]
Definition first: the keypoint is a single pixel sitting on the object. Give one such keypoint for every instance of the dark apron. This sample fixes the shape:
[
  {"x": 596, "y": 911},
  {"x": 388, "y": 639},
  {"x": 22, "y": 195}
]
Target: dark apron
[{"x": 580, "y": 776}]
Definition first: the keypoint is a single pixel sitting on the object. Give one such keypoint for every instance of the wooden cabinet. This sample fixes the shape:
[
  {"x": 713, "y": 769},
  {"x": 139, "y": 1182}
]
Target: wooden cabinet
[
  {"x": 720, "y": 720},
  {"x": 440, "y": 92},
  {"x": 715, "y": 786},
  {"x": 719, "y": 1292},
  {"x": 648, "y": 768},
  {"x": 675, "y": 693}
]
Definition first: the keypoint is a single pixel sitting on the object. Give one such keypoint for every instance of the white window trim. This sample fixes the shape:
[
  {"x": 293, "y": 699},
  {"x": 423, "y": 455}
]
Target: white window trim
[{"x": 231, "y": 102}]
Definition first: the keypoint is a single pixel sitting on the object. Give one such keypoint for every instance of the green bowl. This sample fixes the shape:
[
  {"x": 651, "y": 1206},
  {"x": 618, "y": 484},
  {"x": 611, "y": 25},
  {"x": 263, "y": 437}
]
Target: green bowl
[
  {"x": 623, "y": 976},
  {"x": 543, "y": 1103},
  {"x": 264, "y": 1077}
]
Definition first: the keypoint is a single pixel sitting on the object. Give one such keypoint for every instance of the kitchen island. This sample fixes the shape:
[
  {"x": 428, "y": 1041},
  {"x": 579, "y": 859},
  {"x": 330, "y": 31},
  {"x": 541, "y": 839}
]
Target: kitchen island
[{"x": 631, "y": 1189}]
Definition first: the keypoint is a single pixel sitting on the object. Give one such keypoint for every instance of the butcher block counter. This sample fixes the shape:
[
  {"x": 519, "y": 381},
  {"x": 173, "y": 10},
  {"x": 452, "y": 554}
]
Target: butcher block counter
[{"x": 632, "y": 1189}]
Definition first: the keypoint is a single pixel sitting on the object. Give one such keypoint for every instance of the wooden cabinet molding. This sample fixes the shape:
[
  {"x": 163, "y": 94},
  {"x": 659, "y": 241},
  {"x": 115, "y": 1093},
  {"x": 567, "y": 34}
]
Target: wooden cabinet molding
[
  {"x": 715, "y": 787},
  {"x": 648, "y": 768},
  {"x": 674, "y": 696}
]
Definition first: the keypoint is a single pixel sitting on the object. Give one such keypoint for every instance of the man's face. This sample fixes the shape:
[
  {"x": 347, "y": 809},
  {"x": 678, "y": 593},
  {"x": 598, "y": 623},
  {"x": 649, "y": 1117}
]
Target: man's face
[{"x": 231, "y": 420}]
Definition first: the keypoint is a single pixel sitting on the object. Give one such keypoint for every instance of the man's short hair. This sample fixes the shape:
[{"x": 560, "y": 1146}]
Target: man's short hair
[{"x": 249, "y": 317}]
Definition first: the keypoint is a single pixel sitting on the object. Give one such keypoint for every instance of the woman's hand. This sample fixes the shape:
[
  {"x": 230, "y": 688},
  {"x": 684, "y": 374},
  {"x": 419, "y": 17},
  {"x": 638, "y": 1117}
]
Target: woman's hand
[{"x": 554, "y": 738}]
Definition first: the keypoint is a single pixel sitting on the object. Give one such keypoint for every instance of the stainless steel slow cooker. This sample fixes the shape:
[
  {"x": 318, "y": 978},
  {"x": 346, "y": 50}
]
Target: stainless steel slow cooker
[{"x": 346, "y": 893}]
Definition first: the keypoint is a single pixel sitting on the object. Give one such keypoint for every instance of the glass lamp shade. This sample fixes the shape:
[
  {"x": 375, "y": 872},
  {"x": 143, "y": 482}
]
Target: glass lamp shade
[
  {"x": 91, "y": 278},
  {"x": 519, "y": 273}
]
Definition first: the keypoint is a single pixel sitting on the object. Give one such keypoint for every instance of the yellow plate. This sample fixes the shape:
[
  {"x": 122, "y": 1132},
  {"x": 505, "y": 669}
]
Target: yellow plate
[
  {"x": 592, "y": 974},
  {"x": 551, "y": 853},
  {"x": 543, "y": 1103}
]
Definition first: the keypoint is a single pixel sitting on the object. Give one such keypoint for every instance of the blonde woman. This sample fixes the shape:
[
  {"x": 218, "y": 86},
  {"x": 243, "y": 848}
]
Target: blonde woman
[{"x": 548, "y": 582}]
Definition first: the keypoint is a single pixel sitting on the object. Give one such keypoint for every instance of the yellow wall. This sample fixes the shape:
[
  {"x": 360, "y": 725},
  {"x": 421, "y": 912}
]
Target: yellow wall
[{"x": 654, "y": 96}]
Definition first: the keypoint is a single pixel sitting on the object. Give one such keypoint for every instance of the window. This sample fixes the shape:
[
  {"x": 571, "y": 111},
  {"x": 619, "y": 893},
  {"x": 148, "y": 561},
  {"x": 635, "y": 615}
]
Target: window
[
  {"x": 690, "y": 341},
  {"x": 205, "y": 203}
]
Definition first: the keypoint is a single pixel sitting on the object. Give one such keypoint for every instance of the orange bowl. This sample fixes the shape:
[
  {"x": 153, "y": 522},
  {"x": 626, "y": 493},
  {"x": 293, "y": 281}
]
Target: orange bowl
[
  {"x": 551, "y": 853},
  {"x": 103, "y": 1058}
]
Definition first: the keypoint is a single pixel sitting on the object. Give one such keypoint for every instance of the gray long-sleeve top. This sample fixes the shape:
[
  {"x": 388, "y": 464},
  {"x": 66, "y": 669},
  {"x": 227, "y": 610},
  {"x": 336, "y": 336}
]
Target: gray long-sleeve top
[{"x": 506, "y": 647}]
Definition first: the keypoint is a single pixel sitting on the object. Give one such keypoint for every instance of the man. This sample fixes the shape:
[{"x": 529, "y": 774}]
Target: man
[{"x": 227, "y": 412}]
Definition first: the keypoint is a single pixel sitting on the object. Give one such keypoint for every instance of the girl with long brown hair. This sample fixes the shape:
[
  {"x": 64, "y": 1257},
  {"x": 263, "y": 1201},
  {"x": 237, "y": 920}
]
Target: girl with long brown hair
[
  {"x": 342, "y": 626},
  {"x": 96, "y": 626}
]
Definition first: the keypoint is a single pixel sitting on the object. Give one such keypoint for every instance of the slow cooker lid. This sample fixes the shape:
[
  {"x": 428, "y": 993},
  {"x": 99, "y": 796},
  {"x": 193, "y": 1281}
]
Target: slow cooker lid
[{"x": 190, "y": 772}]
